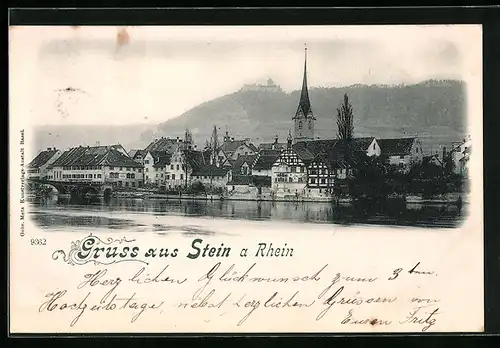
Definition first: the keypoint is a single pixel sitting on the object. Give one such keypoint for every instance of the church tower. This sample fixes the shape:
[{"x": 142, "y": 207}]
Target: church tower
[{"x": 304, "y": 119}]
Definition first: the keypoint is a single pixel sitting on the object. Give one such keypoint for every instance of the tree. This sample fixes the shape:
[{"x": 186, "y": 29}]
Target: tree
[
  {"x": 214, "y": 141},
  {"x": 345, "y": 120}
]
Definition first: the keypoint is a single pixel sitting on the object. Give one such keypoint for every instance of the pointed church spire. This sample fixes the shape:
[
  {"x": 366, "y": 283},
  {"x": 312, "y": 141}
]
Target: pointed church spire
[{"x": 304, "y": 102}]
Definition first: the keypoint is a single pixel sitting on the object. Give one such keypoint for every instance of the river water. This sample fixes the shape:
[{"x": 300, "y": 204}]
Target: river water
[{"x": 66, "y": 214}]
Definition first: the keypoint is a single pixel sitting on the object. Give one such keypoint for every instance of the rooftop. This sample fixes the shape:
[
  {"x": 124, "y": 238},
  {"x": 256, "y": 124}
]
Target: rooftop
[{"x": 42, "y": 158}]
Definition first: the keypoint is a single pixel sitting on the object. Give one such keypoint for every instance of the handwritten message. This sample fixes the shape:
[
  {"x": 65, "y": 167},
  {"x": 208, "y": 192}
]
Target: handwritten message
[{"x": 238, "y": 290}]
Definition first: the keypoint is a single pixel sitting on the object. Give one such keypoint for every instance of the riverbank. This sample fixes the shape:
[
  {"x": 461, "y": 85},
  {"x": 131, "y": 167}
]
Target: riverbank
[{"x": 451, "y": 198}]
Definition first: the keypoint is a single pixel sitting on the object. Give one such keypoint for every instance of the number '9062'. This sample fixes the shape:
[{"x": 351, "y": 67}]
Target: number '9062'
[{"x": 38, "y": 241}]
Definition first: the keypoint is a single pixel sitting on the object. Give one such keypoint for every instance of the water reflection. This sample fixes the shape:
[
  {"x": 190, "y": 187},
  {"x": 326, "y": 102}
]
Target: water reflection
[{"x": 393, "y": 213}]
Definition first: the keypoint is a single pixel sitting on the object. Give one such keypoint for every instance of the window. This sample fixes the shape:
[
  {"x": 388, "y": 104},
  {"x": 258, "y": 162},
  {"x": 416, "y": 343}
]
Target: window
[
  {"x": 182, "y": 176},
  {"x": 374, "y": 145},
  {"x": 121, "y": 168},
  {"x": 147, "y": 170},
  {"x": 146, "y": 161},
  {"x": 290, "y": 179},
  {"x": 177, "y": 167},
  {"x": 402, "y": 157},
  {"x": 168, "y": 177},
  {"x": 133, "y": 184},
  {"x": 111, "y": 168},
  {"x": 300, "y": 124},
  {"x": 126, "y": 183},
  {"x": 128, "y": 175},
  {"x": 319, "y": 190},
  {"x": 322, "y": 181},
  {"x": 99, "y": 176},
  {"x": 297, "y": 169},
  {"x": 128, "y": 169},
  {"x": 173, "y": 176},
  {"x": 132, "y": 176}
]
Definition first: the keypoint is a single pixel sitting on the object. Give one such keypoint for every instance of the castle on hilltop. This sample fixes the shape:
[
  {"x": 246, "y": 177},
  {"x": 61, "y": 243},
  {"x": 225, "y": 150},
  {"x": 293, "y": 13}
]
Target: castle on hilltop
[{"x": 269, "y": 87}]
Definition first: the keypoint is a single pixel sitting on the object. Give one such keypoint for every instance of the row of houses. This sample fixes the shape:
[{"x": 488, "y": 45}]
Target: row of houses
[
  {"x": 304, "y": 168},
  {"x": 93, "y": 164}
]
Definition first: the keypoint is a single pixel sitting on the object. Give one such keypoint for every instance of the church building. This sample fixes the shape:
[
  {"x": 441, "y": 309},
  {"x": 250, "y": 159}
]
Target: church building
[{"x": 304, "y": 119}]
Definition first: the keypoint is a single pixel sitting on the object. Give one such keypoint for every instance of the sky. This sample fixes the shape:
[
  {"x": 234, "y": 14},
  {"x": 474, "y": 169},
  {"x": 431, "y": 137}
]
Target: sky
[{"x": 129, "y": 75}]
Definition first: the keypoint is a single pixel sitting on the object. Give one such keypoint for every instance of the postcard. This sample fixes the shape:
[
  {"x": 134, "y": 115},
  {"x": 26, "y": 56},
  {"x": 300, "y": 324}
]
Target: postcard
[{"x": 246, "y": 179}]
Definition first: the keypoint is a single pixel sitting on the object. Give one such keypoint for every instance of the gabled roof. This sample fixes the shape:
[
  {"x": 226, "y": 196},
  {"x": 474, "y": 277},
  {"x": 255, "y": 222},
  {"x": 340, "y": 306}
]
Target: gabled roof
[
  {"x": 194, "y": 158},
  {"x": 238, "y": 163},
  {"x": 265, "y": 159},
  {"x": 117, "y": 159},
  {"x": 42, "y": 158},
  {"x": 95, "y": 155},
  {"x": 396, "y": 146},
  {"x": 158, "y": 154},
  {"x": 136, "y": 153},
  {"x": 232, "y": 145},
  {"x": 164, "y": 145},
  {"x": 361, "y": 144},
  {"x": 307, "y": 150},
  {"x": 431, "y": 158}
]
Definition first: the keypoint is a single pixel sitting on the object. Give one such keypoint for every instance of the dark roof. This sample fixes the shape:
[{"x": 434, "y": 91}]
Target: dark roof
[
  {"x": 158, "y": 154},
  {"x": 232, "y": 145},
  {"x": 427, "y": 159},
  {"x": 117, "y": 159},
  {"x": 249, "y": 159},
  {"x": 42, "y": 158},
  {"x": 135, "y": 153},
  {"x": 361, "y": 144},
  {"x": 164, "y": 145},
  {"x": 308, "y": 150},
  {"x": 95, "y": 155},
  {"x": 332, "y": 152},
  {"x": 162, "y": 162},
  {"x": 304, "y": 102},
  {"x": 397, "y": 146},
  {"x": 194, "y": 158},
  {"x": 266, "y": 158}
]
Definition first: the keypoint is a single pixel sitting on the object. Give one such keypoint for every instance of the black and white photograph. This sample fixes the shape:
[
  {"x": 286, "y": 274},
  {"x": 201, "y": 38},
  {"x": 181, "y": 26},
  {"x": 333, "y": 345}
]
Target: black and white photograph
[
  {"x": 246, "y": 179},
  {"x": 311, "y": 129}
]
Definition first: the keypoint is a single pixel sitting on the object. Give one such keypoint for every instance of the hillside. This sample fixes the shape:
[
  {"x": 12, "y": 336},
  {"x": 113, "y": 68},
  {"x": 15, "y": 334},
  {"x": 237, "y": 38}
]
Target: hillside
[
  {"x": 68, "y": 136},
  {"x": 435, "y": 110},
  {"x": 431, "y": 109}
]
